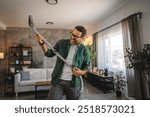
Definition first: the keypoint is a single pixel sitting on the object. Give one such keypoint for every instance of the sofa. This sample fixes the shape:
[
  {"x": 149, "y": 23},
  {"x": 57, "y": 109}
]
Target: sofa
[{"x": 25, "y": 80}]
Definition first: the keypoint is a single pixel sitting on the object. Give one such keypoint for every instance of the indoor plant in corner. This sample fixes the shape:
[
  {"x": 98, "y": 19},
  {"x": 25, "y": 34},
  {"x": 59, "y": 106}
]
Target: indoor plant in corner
[
  {"x": 140, "y": 61},
  {"x": 120, "y": 83}
]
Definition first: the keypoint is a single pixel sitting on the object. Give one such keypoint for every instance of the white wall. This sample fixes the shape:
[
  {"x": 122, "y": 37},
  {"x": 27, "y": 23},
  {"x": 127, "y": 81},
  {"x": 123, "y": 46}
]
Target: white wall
[{"x": 133, "y": 6}]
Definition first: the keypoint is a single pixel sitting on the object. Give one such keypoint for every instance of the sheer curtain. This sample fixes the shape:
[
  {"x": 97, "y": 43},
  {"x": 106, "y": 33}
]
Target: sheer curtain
[{"x": 110, "y": 53}]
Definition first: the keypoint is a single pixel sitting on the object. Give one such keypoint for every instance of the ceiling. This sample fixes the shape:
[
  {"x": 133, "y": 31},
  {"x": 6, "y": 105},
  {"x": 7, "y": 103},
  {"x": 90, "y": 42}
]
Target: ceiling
[{"x": 65, "y": 15}]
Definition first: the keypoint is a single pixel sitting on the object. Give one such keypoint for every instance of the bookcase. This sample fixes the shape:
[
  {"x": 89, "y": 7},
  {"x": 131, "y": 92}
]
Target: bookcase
[{"x": 19, "y": 57}]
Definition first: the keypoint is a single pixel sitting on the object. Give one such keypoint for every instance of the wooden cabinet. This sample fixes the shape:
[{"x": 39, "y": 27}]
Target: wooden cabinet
[
  {"x": 19, "y": 57},
  {"x": 102, "y": 82}
]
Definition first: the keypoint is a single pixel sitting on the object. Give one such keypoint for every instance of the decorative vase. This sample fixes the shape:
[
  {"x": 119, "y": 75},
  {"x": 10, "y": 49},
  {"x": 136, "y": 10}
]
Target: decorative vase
[
  {"x": 118, "y": 93},
  {"x": 106, "y": 72}
]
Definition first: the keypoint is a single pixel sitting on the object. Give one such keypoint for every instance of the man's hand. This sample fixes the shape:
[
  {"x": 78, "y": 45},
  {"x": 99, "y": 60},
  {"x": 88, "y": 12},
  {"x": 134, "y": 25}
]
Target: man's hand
[
  {"x": 39, "y": 37},
  {"x": 78, "y": 72}
]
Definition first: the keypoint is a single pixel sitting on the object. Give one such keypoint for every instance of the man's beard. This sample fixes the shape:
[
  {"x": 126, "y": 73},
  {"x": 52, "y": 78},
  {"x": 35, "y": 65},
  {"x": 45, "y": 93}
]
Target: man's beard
[{"x": 74, "y": 42}]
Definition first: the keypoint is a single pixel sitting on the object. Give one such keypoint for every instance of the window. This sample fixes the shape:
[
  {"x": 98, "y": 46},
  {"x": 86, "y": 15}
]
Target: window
[{"x": 110, "y": 49}]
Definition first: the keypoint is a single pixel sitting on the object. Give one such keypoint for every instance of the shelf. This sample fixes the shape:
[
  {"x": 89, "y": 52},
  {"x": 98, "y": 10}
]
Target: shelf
[{"x": 19, "y": 57}]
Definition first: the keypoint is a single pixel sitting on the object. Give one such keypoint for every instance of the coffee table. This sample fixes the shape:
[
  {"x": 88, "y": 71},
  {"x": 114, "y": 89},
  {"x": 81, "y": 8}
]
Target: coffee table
[{"x": 40, "y": 84}]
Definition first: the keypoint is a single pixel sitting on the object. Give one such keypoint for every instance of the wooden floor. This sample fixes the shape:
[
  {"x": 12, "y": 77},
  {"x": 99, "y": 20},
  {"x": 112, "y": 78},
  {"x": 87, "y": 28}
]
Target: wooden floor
[{"x": 89, "y": 93}]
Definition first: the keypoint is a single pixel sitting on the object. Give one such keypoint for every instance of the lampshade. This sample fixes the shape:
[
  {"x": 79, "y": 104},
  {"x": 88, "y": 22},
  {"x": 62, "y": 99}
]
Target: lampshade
[{"x": 1, "y": 55}]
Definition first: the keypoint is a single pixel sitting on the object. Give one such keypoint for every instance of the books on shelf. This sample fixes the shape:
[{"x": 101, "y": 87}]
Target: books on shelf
[{"x": 26, "y": 62}]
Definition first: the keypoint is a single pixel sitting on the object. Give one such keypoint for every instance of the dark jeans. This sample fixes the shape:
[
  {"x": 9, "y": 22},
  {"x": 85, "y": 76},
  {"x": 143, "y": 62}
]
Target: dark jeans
[{"x": 63, "y": 88}]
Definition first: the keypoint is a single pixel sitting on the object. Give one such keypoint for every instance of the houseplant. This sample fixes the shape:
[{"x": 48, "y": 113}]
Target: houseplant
[
  {"x": 140, "y": 60},
  {"x": 88, "y": 42},
  {"x": 92, "y": 55},
  {"x": 120, "y": 83}
]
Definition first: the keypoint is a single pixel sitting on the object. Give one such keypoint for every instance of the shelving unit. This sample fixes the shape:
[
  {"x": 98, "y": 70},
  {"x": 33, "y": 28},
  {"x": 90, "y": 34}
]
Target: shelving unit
[{"x": 19, "y": 57}]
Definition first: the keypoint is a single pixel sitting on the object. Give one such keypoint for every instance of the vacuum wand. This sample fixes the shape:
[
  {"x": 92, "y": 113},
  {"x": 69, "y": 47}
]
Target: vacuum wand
[{"x": 32, "y": 27}]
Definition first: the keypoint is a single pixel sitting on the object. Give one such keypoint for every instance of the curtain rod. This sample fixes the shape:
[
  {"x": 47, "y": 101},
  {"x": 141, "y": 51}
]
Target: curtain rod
[{"x": 139, "y": 13}]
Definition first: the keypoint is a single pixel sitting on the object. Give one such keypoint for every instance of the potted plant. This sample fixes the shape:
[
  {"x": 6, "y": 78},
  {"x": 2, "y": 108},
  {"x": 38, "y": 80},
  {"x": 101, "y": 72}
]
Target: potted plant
[
  {"x": 140, "y": 60},
  {"x": 120, "y": 83}
]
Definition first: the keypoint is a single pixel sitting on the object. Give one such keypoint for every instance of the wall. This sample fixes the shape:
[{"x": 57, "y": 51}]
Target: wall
[
  {"x": 26, "y": 37},
  {"x": 16, "y": 36},
  {"x": 3, "y": 62},
  {"x": 128, "y": 9},
  {"x": 3, "y": 47}
]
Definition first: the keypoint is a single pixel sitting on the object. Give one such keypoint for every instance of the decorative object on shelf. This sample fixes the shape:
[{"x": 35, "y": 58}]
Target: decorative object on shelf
[
  {"x": 25, "y": 53},
  {"x": 101, "y": 71},
  {"x": 106, "y": 72},
  {"x": 94, "y": 69},
  {"x": 140, "y": 60},
  {"x": 120, "y": 83}
]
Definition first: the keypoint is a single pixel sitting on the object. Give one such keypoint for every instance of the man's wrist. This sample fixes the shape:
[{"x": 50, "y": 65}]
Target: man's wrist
[{"x": 41, "y": 43}]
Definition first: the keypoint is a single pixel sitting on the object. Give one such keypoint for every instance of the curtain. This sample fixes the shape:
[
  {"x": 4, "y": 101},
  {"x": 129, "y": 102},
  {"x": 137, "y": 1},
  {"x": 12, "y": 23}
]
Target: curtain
[
  {"x": 131, "y": 31},
  {"x": 95, "y": 47},
  {"x": 110, "y": 49}
]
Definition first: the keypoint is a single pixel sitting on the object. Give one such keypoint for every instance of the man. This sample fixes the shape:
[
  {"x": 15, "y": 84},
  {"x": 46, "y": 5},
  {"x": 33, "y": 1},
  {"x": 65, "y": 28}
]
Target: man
[{"x": 64, "y": 80}]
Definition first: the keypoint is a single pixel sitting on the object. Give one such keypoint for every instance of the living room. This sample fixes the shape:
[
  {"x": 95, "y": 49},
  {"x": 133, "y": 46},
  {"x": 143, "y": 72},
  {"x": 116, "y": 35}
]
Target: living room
[{"x": 15, "y": 34}]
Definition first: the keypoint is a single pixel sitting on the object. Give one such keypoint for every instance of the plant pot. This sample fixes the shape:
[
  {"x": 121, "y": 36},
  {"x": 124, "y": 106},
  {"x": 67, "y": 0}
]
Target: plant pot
[{"x": 118, "y": 93}]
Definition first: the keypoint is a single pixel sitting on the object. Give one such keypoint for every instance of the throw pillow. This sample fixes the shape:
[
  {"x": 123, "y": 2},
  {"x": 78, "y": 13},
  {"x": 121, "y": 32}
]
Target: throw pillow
[{"x": 25, "y": 76}]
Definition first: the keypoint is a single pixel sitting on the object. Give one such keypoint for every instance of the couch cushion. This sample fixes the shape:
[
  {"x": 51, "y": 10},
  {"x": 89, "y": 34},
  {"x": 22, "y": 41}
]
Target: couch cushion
[
  {"x": 25, "y": 76},
  {"x": 36, "y": 73}
]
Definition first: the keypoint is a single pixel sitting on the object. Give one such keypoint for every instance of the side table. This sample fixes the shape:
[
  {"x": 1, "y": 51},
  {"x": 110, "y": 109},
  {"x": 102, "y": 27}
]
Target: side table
[{"x": 9, "y": 85}]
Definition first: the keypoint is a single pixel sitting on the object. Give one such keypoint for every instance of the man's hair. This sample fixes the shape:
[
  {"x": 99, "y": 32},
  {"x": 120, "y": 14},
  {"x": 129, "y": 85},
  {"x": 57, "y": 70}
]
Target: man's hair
[{"x": 81, "y": 29}]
